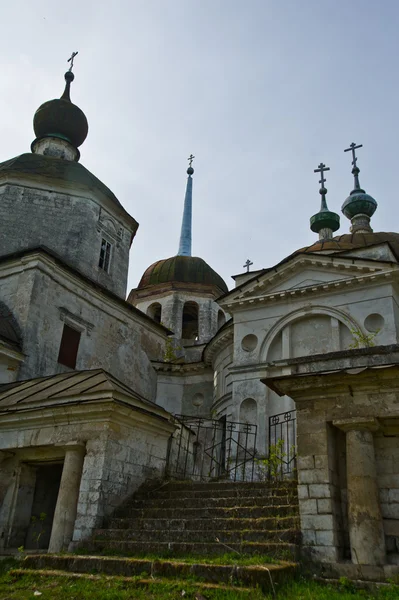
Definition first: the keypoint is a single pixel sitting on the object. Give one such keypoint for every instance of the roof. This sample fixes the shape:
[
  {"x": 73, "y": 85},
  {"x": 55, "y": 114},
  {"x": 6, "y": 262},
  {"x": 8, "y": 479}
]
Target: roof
[
  {"x": 182, "y": 269},
  {"x": 49, "y": 170},
  {"x": 121, "y": 301},
  {"x": 338, "y": 244},
  {"x": 65, "y": 388},
  {"x": 351, "y": 241}
]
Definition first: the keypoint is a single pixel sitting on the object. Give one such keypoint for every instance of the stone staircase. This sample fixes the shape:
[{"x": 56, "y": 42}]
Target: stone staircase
[
  {"x": 206, "y": 519},
  {"x": 178, "y": 529}
]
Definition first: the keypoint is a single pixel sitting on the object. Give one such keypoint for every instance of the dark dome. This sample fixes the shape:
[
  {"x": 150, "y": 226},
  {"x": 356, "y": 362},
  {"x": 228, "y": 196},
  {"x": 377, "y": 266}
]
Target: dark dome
[
  {"x": 341, "y": 243},
  {"x": 182, "y": 269},
  {"x": 60, "y": 118}
]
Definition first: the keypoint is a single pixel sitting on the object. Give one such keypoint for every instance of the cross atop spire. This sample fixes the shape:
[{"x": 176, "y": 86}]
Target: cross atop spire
[
  {"x": 71, "y": 59},
  {"x": 323, "y": 190},
  {"x": 355, "y": 170},
  {"x": 324, "y": 222},
  {"x": 190, "y": 160}
]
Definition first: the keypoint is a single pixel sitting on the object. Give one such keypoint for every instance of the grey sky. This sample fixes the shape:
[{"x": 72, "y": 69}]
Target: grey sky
[{"x": 260, "y": 91}]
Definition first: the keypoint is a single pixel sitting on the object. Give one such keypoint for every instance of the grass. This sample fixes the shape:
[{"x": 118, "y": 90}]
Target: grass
[
  {"x": 67, "y": 588},
  {"x": 230, "y": 558}
]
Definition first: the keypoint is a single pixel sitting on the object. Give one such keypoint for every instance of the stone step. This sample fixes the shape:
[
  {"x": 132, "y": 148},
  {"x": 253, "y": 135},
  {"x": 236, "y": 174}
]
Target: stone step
[
  {"x": 134, "y": 582},
  {"x": 211, "y": 502},
  {"x": 188, "y": 536},
  {"x": 224, "y": 485},
  {"x": 224, "y": 493},
  {"x": 272, "y": 549},
  {"x": 204, "y": 524},
  {"x": 242, "y": 512},
  {"x": 72, "y": 565}
]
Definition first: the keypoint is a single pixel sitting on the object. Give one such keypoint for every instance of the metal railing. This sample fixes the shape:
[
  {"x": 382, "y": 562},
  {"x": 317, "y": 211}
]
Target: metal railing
[
  {"x": 282, "y": 440},
  {"x": 213, "y": 449}
]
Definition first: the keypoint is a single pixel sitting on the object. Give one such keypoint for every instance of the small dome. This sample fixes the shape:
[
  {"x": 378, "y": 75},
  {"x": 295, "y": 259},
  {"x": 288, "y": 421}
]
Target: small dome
[
  {"x": 60, "y": 118},
  {"x": 182, "y": 270},
  {"x": 358, "y": 202},
  {"x": 324, "y": 219}
]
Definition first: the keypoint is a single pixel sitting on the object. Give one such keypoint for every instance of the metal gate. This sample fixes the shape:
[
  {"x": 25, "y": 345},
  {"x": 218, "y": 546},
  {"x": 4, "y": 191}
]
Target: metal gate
[
  {"x": 213, "y": 449},
  {"x": 282, "y": 441}
]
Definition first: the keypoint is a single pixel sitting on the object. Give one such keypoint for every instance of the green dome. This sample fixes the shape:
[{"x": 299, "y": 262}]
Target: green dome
[
  {"x": 60, "y": 118},
  {"x": 358, "y": 202},
  {"x": 182, "y": 270},
  {"x": 324, "y": 220}
]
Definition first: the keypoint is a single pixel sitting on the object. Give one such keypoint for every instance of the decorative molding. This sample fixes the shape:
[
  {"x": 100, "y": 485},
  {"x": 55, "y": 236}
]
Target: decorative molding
[
  {"x": 75, "y": 321},
  {"x": 110, "y": 226}
]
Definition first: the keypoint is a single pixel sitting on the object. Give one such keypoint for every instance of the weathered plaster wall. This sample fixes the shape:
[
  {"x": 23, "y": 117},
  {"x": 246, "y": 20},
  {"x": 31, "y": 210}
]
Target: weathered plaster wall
[
  {"x": 43, "y": 297},
  {"x": 186, "y": 394},
  {"x": 70, "y": 225}
]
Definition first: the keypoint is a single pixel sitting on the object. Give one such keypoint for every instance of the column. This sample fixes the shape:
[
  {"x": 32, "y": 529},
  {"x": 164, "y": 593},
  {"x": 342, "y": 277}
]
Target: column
[
  {"x": 366, "y": 531},
  {"x": 65, "y": 510}
]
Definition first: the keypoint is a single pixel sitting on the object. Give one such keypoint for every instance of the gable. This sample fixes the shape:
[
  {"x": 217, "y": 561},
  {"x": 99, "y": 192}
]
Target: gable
[{"x": 305, "y": 272}]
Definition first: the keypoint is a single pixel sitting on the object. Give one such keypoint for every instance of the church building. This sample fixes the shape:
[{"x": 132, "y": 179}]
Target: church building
[{"x": 103, "y": 389}]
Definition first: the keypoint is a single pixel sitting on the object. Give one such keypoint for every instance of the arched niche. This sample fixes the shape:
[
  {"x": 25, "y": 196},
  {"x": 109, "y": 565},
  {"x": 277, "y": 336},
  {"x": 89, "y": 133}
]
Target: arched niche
[
  {"x": 249, "y": 411},
  {"x": 221, "y": 319},
  {"x": 155, "y": 311},
  {"x": 190, "y": 321},
  {"x": 309, "y": 331}
]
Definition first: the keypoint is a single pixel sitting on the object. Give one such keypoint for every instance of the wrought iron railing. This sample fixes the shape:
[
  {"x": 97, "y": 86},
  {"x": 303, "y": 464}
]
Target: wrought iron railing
[
  {"x": 282, "y": 440},
  {"x": 204, "y": 449}
]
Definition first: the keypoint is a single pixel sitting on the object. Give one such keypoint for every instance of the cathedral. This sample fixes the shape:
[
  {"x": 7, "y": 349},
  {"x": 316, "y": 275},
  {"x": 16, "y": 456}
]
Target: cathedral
[{"x": 103, "y": 389}]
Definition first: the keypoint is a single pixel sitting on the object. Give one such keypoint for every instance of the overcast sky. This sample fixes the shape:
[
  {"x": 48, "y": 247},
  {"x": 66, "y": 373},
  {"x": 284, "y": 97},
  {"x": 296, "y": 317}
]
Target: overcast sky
[{"x": 260, "y": 91}]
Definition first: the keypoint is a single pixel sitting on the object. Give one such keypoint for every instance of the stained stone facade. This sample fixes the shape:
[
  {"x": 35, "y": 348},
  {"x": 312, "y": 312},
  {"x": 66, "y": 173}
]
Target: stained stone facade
[{"x": 95, "y": 389}]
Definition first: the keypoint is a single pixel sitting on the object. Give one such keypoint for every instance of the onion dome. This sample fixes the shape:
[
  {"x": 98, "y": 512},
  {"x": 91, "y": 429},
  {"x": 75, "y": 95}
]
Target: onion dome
[
  {"x": 62, "y": 119},
  {"x": 324, "y": 222},
  {"x": 183, "y": 272},
  {"x": 359, "y": 207}
]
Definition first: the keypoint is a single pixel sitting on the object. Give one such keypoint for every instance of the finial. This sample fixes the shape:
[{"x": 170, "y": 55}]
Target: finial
[
  {"x": 355, "y": 170},
  {"x": 323, "y": 190},
  {"x": 324, "y": 222},
  {"x": 359, "y": 207},
  {"x": 71, "y": 59},
  {"x": 190, "y": 169},
  {"x": 247, "y": 264},
  {"x": 69, "y": 77}
]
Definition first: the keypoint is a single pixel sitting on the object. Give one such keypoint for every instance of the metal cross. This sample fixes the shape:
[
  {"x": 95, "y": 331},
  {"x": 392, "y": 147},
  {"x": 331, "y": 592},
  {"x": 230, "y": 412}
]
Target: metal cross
[
  {"x": 248, "y": 264},
  {"x": 190, "y": 159},
  {"x": 71, "y": 59},
  {"x": 352, "y": 148},
  {"x": 322, "y": 167}
]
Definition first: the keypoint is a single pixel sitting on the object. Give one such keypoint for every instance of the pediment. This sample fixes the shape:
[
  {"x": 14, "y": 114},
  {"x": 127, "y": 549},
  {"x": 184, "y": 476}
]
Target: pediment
[{"x": 305, "y": 271}]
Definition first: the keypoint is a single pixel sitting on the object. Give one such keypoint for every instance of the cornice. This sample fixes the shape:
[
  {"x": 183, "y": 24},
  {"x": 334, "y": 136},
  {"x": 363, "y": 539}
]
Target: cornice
[
  {"x": 180, "y": 368},
  {"x": 366, "y": 275},
  {"x": 223, "y": 337}
]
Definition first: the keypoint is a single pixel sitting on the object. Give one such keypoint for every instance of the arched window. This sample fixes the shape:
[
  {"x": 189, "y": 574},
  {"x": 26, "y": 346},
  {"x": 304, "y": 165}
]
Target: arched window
[
  {"x": 221, "y": 319},
  {"x": 154, "y": 311},
  {"x": 190, "y": 321}
]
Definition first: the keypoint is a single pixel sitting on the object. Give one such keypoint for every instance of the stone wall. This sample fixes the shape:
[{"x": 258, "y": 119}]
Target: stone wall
[
  {"x": 70, "y": 225},
  {"x": 43, "y": 297}
]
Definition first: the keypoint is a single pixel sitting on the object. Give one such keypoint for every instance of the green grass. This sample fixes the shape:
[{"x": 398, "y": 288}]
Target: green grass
[
  {"x": 230, "y": 558},
  {"x": 23, "y": 588}
]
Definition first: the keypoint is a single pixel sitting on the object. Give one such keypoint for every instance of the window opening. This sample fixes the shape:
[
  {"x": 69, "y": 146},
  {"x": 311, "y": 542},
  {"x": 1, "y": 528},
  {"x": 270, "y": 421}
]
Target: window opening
[
  {"x": 190, "y": 321},
  {"x": 69, "y": 347},
  {"x": 105, "y": 255},
  {"x": 154, "y": 311}
]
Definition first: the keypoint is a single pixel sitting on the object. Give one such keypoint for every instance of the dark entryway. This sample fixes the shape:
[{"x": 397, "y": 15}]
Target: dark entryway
[{"x": 48, "y": 479}]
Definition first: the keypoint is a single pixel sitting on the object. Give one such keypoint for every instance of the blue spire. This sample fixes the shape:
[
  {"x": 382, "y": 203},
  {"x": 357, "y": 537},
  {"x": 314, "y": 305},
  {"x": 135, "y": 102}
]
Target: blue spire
[{"x": 185, "y": 235}]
